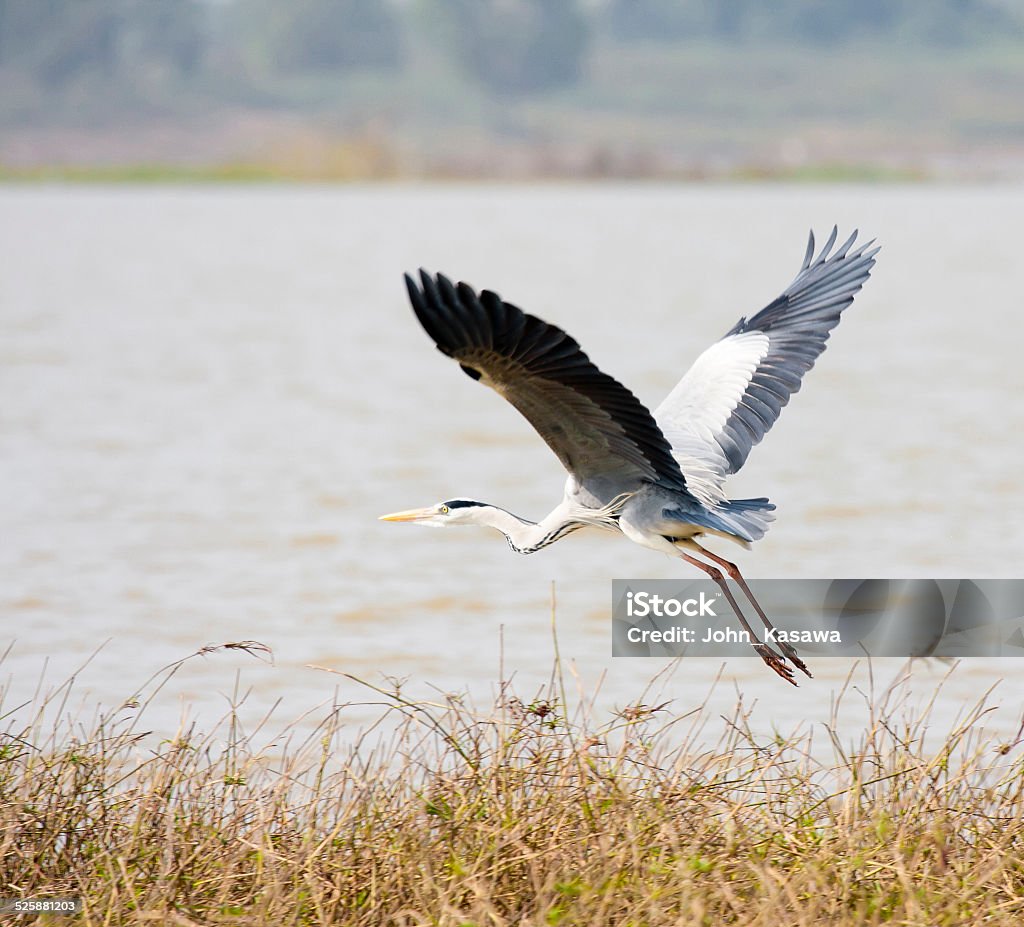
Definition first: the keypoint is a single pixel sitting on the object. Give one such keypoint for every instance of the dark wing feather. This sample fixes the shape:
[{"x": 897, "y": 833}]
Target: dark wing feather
[
  {"x": 736, "y": 389},
  {"x": 597, "y": 428}
]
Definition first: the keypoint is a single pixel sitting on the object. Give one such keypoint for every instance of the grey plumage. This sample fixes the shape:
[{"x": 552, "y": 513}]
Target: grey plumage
[
  {"x": 657, "y": 478},
  {"x": 736, "y": 390},
  {"x": 597, "y": 428}
]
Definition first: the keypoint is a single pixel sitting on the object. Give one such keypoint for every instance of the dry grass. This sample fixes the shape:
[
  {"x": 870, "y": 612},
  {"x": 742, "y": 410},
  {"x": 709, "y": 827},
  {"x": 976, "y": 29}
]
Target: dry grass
[{"x": 443, "y": 815}]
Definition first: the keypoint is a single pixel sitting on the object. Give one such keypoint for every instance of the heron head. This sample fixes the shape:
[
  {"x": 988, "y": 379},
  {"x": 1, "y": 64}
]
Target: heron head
[{"x": 452, "y": 512}]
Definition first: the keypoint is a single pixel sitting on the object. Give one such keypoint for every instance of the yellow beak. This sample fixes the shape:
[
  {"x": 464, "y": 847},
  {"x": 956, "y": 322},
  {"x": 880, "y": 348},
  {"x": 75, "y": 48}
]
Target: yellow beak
[{"x": 409, "y": 515}]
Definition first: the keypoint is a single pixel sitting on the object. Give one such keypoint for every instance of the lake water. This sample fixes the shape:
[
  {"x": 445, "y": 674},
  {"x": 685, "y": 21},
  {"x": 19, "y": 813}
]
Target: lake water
[{"x": 207, "y": 396}]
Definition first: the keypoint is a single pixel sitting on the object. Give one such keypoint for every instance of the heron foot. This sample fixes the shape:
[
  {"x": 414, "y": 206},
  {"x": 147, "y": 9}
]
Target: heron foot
[
  {"x": 789, "y": 652},
  {"x": 775, "y": 662}
]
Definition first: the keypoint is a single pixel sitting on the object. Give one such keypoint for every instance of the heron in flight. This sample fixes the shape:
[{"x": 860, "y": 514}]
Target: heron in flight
[{"x": 658, "y": 479}]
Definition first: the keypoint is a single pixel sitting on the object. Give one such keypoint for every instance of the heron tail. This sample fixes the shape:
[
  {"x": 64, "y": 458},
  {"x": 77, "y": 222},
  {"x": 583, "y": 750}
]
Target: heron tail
[
  {"x": 742, "y": 520},
  {"x": 752, "y": 515},
  {"x": 745, "y": 519}
]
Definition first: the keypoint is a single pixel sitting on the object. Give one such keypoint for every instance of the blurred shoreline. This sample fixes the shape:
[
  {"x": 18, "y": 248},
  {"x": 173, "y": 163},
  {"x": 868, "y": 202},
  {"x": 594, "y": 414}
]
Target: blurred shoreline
[
  {"x": 243, "y": 146},
  {"x": 269, "y": 152}
]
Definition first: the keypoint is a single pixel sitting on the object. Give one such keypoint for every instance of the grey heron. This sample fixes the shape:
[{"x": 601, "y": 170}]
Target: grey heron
[{"x": 658, "y": 479}]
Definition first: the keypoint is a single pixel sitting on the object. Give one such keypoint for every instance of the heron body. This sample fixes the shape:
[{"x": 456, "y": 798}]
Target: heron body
[{"x": 656, "y": 478}]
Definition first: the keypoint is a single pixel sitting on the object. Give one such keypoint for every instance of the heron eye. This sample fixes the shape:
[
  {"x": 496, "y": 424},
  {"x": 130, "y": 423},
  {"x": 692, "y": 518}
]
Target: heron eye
[{"x": 444, "y": 509}]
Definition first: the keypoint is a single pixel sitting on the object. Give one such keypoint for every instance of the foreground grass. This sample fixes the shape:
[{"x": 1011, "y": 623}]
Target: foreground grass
[{"x": 520, "y": 815}]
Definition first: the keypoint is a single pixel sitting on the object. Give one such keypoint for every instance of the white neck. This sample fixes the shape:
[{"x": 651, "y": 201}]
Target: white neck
[{"x": 526, "y": 537}]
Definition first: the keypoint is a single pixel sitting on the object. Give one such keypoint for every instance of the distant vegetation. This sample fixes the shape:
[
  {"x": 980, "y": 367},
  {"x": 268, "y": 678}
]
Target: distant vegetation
[
  {"x": 603, "y": 74},
  {"x": 506, "y": 46},
  {"x": 940, "y": 23}
]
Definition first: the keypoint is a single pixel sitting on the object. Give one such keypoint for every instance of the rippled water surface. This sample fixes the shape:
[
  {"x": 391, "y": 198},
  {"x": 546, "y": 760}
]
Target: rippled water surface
[{"x": 208, "y": 395}]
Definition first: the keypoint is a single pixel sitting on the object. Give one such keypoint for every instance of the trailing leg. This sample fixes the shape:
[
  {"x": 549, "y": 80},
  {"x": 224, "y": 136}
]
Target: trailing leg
[
  {"x": 788, "y": 649},
  {"x": 770, "y": 657}
]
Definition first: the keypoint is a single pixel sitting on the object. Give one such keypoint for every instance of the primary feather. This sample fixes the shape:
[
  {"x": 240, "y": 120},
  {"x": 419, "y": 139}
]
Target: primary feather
[
  {"x": 736, "y": 390},
  {"x": 597, "y": 428}
]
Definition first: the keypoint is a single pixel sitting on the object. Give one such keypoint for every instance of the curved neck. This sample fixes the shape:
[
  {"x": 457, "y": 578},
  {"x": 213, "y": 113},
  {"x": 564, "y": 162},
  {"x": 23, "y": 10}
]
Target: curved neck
[{"x": 526, "y": 537}]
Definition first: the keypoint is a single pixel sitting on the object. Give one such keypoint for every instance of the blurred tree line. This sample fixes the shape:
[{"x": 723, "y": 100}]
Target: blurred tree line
[
  {"x": 813, "y": 22},
  {"x": 506, "y": 47},
  {"x": 55, "y": 42}
]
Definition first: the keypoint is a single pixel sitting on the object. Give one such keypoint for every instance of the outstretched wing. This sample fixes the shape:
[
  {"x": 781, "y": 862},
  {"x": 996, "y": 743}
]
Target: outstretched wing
[
  {"x": 597, "y": 428},
  {"x": 736, "y": 389}
]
